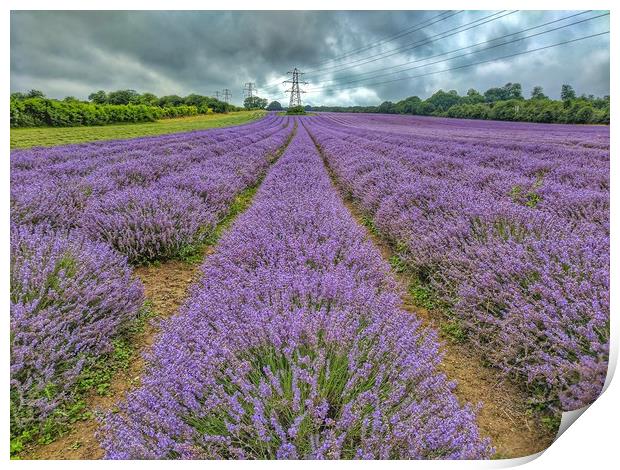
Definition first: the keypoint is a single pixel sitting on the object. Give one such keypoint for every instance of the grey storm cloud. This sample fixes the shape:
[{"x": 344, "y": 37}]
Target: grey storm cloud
[{"x": 180, "y": 52}]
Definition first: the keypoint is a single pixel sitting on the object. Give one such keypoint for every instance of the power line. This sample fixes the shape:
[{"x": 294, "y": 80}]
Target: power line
[
  {"x": 409, "y": 30},
  {"x": 414, "y": 45},
  {"x": 459, "y": 49},
  {"x": 472, "y": 52},
  {"x": 295, "y": 91},
  {"x": 471, "y": 64}
]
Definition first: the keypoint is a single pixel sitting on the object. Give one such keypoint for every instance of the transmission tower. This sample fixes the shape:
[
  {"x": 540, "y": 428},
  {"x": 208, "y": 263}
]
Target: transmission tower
[
  {"x": 227, "y": 95},
  {"x": 294, "y": 90},
  {"x": 217, "y": 94},
  {"x": 249, "y": 90}
]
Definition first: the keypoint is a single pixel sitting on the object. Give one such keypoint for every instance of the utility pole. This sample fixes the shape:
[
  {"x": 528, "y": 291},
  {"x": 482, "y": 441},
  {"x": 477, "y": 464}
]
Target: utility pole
[
  {"x": 294, "y": 90},
  {"x": 227, "y": 95}
]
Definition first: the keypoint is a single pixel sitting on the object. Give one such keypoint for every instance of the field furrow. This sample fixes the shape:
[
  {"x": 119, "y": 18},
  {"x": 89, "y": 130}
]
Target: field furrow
[
  {"x": 294, "y": 344},
  {"x": 520, "y": 264},
  {"x": 72, "y": 291}
]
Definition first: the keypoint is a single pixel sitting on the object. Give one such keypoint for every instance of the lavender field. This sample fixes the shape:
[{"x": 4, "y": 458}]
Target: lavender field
[
  {"x": 294, "y": 342},
  {"x": 508, "y": 223}
]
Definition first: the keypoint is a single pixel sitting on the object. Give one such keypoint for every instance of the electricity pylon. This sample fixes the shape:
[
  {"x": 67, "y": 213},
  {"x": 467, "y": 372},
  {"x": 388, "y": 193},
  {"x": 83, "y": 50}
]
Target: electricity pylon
[{"x": 295, "y": 90}]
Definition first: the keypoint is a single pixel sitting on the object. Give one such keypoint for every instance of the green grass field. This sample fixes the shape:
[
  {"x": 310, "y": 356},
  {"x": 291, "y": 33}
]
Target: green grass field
[{"x": 47, "y": 136}]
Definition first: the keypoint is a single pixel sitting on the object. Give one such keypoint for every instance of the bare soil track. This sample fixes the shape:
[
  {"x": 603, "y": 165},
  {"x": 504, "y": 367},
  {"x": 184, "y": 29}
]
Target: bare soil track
[
  {"x": 166, "y": 287},
  {"x": 505, "y": 416}
]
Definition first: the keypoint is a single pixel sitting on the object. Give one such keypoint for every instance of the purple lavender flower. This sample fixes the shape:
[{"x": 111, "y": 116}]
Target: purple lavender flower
[
  {"x": 70, "y": 297},
  {"x": 507, "y": 222},
  {"x": 293, "y": 345},
  {"x": 149, "y": 198}
]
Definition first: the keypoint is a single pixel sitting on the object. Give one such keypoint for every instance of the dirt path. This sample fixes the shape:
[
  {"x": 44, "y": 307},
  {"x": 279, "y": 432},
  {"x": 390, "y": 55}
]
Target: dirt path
[
  {"x": 505, "y": 416},
  {"x": 166, "y": 287}
]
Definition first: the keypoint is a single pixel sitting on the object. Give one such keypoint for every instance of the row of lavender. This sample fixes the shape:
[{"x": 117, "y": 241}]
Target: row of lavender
[
  {"x": 572, "y": 183},
  {"x": 79, "y": 213},
  {"x": 514, "y": 237},
  {"x": 497, "y": 132},
  {"x": 293, "y": 345},
  {"x": 147, "y": 198}
]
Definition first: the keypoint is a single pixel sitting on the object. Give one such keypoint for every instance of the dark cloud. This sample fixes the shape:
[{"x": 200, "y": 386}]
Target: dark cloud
[{"x": 75, "y": 53}]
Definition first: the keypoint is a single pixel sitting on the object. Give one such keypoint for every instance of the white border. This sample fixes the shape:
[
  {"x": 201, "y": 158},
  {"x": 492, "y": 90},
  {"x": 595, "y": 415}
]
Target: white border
[{"x": 590, "y": 443}]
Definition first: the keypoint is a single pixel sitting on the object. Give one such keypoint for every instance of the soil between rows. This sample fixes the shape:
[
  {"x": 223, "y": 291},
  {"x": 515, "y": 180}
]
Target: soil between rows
[
  {"x": 166, "y": 286},
  {"x": 505, "y": 416}
]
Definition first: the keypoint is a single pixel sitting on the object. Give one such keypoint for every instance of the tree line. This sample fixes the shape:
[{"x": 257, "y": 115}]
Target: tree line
[
  {"x": 34, "y": 109},
  {"x": 505, "y": 103}
]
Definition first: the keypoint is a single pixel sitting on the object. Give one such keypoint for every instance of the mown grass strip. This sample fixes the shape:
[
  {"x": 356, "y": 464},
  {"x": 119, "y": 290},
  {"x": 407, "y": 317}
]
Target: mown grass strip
[{"x": 50, "y": 136}]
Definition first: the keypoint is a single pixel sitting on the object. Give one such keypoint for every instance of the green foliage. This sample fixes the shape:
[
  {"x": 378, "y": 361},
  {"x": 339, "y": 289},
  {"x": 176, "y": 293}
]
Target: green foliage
[
  {"x": 528, "y": 198},
  {"x": 123, "y": 97},
  {"x": 35, "y": 94},
  {"x": 411, "y": 105},
  {"x": 510, "y": 91},
  {"x": 567, "y": 93},
  {"x": 468, "y": 111},
  {"x": 254, "y": 102},
  {"x": 397, "y": 264},
  {"x": 333, "y": 376},
  {"x": 121, "y": 106},
  {"x": 369, "y": 223},
  {"x": 98, "y": 97},
  {"x": 453, "y": 330},
  {"x": 422, "y": 295},
  {"x": 42, "y": 112},
  {"x": 537, "y": 93},
  {"x": 207, "y": 104},
  {"x": 170, "y": 101},
  {"x": 296, "y": 110},
  {"x": 387, "y": 107},
  {"x": 274, "y": 106},
  {"x": 473, "y": 97},
  {"x": 551, "y": 422},
  {"x": 500, "y": 103},
  {"x": 442, "y": 101},
  {"x": 150, "y": 99}
]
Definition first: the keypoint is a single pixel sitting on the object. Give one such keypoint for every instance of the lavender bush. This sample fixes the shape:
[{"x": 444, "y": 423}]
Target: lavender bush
[
  {"x": 293, "y": 345},
  {"x": 69, "y": 298},
  {"x": 147, "y": 223},
  {"x": 509, "y": 224},
  {"x": 148, "y": 198},
  {"x": 77, "y": 213}
]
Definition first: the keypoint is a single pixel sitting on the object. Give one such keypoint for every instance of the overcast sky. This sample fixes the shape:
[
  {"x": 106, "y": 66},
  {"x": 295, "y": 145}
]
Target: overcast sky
[{"x": 75, "y": 53}]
